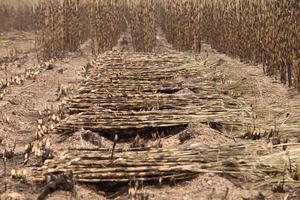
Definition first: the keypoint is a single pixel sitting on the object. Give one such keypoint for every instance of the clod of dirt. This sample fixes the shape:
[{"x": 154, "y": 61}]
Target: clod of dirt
[
  {"x": 49, "y": 66},
  {"x": 13, "y": 101},
  {"x": 216, "y": 126},
  {"x": 93, "y": 138},
  {"x": 185, "y": 135},
  {"x": 61, "y": 71},
  {"x": 82, "y": 138}
]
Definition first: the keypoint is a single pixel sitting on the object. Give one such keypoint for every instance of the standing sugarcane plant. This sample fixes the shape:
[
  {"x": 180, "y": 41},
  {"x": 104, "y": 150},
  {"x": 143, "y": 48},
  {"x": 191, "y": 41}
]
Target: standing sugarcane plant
[
  {"x": 264, "y": 31},
  {"x": 142, "y": 24}
]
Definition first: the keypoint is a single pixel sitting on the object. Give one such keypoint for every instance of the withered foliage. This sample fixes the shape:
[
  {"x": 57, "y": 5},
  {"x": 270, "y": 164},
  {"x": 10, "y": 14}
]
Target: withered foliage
[
  {"x": 264, "y": 31},
  {"x": 20, "y": 18}
]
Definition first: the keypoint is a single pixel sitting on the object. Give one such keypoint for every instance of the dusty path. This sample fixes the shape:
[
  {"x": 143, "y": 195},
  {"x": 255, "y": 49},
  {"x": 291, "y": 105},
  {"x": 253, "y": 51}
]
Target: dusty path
[{"x": 23, "y": 103}]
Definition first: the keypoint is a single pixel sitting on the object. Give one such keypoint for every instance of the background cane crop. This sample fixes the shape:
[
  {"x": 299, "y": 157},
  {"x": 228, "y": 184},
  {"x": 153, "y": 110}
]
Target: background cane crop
[{"x": 264, "y": 32}]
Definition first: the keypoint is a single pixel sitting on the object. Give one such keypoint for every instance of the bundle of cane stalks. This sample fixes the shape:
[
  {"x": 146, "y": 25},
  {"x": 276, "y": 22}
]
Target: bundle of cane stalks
[{"x": 257, "y": 163}]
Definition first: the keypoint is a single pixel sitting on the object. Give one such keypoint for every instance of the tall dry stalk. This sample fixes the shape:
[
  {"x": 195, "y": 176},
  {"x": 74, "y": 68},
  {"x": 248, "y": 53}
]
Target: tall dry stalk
[
  {"x": 20, "y": 18},
  {"x": 58, "y": 28},
  {"x": 107, "y": 23},
  {"x": 142, "y": 24},
  {"x": 264, "y": 31}
]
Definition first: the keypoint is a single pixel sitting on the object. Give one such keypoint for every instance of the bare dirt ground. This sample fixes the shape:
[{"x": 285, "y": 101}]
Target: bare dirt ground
[{"x": 19, "y": 112}]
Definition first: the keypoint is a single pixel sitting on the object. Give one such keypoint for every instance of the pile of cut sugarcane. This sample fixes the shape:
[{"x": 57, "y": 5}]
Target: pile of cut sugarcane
[
  {"x": 124, "y": 92},
  {"x": 129, "y": 94},
  {"x": 257, "y": 163}
]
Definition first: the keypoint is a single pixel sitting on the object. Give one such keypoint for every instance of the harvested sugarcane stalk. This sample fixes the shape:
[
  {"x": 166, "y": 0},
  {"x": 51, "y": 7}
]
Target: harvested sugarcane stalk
[
  {"x": 135, "y": 93},
  {"x": 102, "y": 120},
  {"x": 258, "y": 162}
]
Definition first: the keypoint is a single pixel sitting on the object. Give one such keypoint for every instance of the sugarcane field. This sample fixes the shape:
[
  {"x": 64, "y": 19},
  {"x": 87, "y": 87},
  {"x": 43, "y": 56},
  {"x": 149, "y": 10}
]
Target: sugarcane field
[{"x": 150, "y": 99}]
